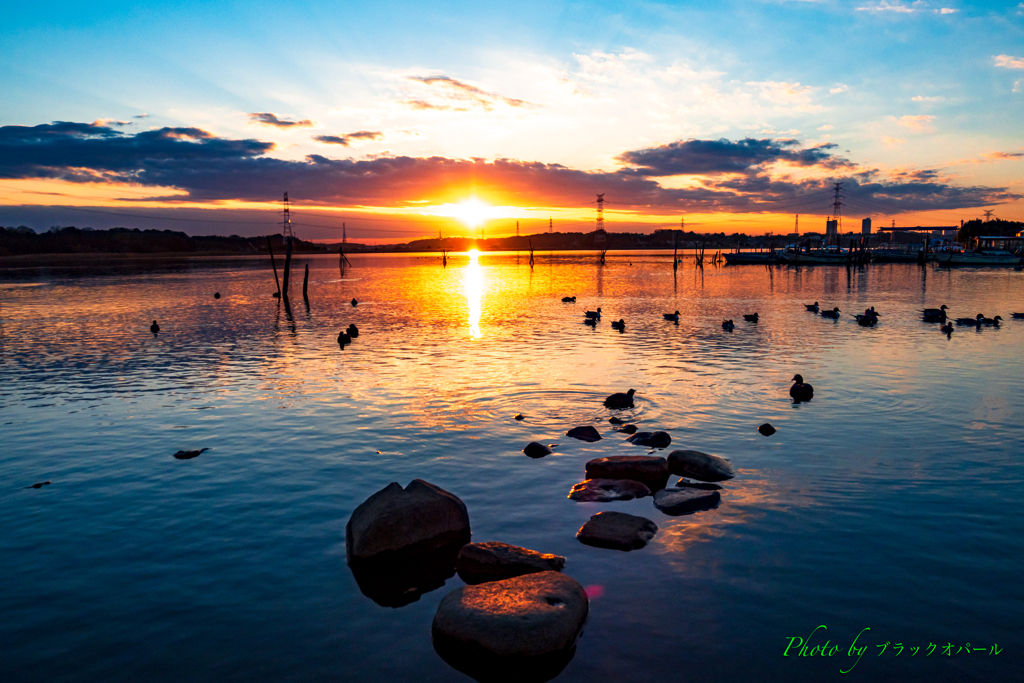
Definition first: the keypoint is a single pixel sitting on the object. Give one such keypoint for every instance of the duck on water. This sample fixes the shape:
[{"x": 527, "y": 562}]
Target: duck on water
[
  {"x": 800, "y": 391},
  {"x": 619, "y": 401}
]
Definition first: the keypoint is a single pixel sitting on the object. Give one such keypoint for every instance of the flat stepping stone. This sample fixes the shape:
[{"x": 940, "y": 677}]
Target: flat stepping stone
[
  {"x": 649, "y": 470},
  {"x": 700, "y": 466},
  {"x": 684, "y": 500},
  {"x": 519, "y": 629},
  {"x": 494, "y": 561},
  {"x": 617, "y": 530},
  {"x": 536, "y": 450},
  {"x": 588, "y": 434},
  {"x": 606, "y": 490},
  {"x": 651, "y": 439}
]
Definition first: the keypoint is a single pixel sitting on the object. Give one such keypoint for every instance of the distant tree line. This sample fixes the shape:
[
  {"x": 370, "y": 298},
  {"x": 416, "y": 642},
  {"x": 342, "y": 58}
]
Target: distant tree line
[
  {"x": 16, "y": 241},
  {"x": 995, "y": 228}
]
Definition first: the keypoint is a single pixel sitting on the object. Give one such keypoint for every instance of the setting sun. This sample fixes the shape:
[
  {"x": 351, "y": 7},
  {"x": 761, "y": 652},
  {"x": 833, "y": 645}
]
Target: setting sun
[{"x": 472, "y": 212}]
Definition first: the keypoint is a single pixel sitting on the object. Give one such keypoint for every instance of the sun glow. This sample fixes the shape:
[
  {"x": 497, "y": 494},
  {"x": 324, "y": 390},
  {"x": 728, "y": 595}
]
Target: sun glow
[{"x": 472, "y": 212}]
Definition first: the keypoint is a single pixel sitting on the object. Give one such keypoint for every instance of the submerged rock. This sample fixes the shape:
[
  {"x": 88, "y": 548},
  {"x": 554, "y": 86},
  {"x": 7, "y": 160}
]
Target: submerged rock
[
  {"x": 536, "y": 450},
  {"x": 520, "y": 629},
  {"x": 395, "y": 579},
  {"x": 628, "y": 429},
  {"x": 188, "y": 455},
  {"x": 616, "y": 421},
  {"x": 617, "y": 530},
  {"x": 700, "y": 466},
  {"x": 766, "y": 429},
  {"x": 587, "y": 433},
  {"x": 419, "y": 517},
  {"x": 651, "y": 439},
  {"x": 680, "y": 501},
  {"x": 606, "y": 490},
  {"x": 650, "y": 470},
  {"x": 493, "y": 561}
]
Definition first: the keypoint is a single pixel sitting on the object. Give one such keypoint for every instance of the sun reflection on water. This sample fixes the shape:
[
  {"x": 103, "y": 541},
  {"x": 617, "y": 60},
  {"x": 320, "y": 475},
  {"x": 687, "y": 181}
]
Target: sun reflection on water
[{"x": 474, "y": 292}]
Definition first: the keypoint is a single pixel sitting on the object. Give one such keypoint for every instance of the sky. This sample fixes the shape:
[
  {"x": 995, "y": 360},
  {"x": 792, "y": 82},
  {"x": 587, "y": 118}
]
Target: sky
[{"x": 401, "y": 119}]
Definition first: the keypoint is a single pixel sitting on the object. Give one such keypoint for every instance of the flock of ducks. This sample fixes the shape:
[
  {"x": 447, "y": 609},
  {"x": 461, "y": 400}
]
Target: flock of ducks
[{"x": 938, "y": 315}]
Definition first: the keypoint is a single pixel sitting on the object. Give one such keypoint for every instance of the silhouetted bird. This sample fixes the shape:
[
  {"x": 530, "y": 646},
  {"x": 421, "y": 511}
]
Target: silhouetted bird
[
  {"x": 568, "y": 299},
  {"x": 216, "y": 295},
  {"x": 344, "y": 338},
  {"x": 594, "y": 315},
  {"x": 947, "y": 329},
  {"x": 620, "y": 325},
  {"x": 834, "y": 313},
  {"x": 674, "y": 317},
  {"x": 154, "y": 328},
  {"x": 38, "y": 486},
  {"x": 935, "y": 315},
  {"x": 188, "y": 455},
  {"x": 812, "y": 307},
  {"x": 354, "y": 302},
  {"x": 991, "y": 321},
  {"x": 353, "y": 331},
  {"x": 865, "y": 320},
  {"x": 728, "y": 325},
  {"x": 590, "y": 321},
  {"x": 620, "y": 401},
  {"x": 976, "y": 322},
  {"x": 800, "y": 391},
  {"x": 750, "y": 317},
  {"x": 1018, "y": 315}
]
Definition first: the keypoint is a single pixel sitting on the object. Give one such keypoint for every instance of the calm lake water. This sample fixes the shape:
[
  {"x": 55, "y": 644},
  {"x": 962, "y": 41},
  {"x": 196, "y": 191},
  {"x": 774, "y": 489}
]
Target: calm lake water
[{"x": 890, "y": 502}]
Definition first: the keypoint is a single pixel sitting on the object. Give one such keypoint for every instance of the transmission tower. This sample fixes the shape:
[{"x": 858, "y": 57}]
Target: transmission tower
[
  {"x": 517, "y": 228},
  {"x": 551, "y": 226},
  {"x": 798, "y": 225},
  {"x": 600, "y": 212},
  {"x": 988, "y": 215},
  {"x": 344, "y": 235},
  {"x": 286, "y": 223},
  {"x": 837, "y": 213}
]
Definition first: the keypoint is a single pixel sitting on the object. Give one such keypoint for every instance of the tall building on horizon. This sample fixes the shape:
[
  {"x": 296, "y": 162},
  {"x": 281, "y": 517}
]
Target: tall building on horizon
[{"x": 865, "y": 226}]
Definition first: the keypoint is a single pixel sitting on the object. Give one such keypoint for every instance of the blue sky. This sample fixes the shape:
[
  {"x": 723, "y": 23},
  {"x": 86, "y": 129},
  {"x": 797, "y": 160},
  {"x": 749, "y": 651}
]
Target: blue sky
[{"x": 916, "y": 105}]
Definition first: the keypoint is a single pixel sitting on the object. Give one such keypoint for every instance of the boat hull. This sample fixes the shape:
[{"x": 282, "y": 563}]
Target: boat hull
[{"x": 975, "y": 258}]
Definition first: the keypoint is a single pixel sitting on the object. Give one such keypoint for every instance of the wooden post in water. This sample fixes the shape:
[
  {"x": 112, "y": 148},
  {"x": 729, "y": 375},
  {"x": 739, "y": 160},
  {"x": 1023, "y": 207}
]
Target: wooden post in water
[
  {"x": 287, "y": 266},
  {"x": 675, "y": 251},
  {"x": 274, "y": 264},
  {"x": 305, "y": 284},
  {"x": 531, "y": 254}
]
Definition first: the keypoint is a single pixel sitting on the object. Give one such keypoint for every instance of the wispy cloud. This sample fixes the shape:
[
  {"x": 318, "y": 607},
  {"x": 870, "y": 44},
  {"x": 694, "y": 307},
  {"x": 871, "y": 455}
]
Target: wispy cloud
[
  {"x": 926, "y": 98},
  {"x": 346, "y": 140},
  {"x": 838, "y": 88},
  {"x": 920, "y": 123},
  {"x": 450, "y": 89},
  {"x": 899, "y": 8},
  {"x": 269, "y": 119},
  {"x": 826, "y": 127},
  {"x": 892, "y": 142},
  {"x": 1008, "y": 62}
]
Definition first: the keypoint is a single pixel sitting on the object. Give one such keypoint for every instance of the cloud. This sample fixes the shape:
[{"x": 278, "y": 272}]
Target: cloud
[
  {"x": 788, "y": 94},
  {"x": 892, "y": 142},
  {"x": 453, "y": 89},
  {"x": 947, "y": 10},
  {"x": 998, "y": 156},
  {"x": 423, "y": 105},
  {"x": 1008, "y": 62},
  {"x": 839, "y": 87},
  {"x": 270, "y": 119},
  {"x": 141, "y": 116},
  {"x": 346, "y": 140},
  {"x": 713, "y": 157},
  {"x": 920, "y": 123},
  {"x": 887, "y": 7},
  {"x": 735, "y": 174},
  {"x": 924, "y": 98},
  {"x": 826, "y": 127}
]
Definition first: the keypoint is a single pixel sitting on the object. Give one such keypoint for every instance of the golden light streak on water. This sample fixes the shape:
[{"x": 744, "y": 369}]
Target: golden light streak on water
[{"x": 474, "y": 284}]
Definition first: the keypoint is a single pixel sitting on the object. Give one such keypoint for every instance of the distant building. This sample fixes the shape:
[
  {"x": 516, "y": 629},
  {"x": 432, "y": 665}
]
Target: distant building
[
  {"x": 831, "y": 230},
  {"x": 865, "y": 226}
]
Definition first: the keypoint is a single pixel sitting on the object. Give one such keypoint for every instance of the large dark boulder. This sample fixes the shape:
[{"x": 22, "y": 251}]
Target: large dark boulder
[
  {"x": 520, "y": 629},
  {"x": 649, "y": 470},
  {"x": 684, "y": 500},
  {"x": 617, "y": 530},
  {"x": 700, "y": 466},
  {"x": 651, "y": 439},
  {"x": 493, "y": 561},
  {"x": 418, "y": 518},
  {"x": 606, "y": 490},
  {"x": 587, "y": 433}
]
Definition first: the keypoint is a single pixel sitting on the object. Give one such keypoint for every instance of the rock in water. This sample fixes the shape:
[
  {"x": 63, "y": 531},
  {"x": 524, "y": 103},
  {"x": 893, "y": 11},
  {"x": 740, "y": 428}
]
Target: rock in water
[
  {"x": 519, "y": 416},
  {"x": 649, "y": 470},
  {"x": 617, "y": 530},
  {"x": 628, "y": 429},
  {"x": 395, "y": 579},
  {"x": 188, "y": 455},
  {"x": 680, "y": 501},
  {"x": 536, "y": 450},
  {"x": 588, "y": 434},
  {"x": 616, "y": 421},
  {"x": 766, "y": 429},
  {"x": 700, "y": 466},
  {"x": 651, "y": 439},
  {"x": 519, "y": 629},
  {"x": 420, "y": 517},
  {"x": 605, "y": 490},
  {"x": 493, "y": 561}
]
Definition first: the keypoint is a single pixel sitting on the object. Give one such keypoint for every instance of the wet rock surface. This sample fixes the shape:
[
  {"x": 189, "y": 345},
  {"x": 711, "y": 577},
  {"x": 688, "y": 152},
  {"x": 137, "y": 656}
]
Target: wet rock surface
[
  {"x": 651, "y": 439},
  {"x": 617, "y": 530},
  {"x": 587, "y": 433},
  {"x": 417, "y": 518},
  {"x": 395, "y": 579},
  {"x": 520, "y": 629},
  {"x": 494, "y": 561},
  {"x": 606, "y": 490},
  {"x": 700, "y": 466},
  {"x": 536, "y": 450},
  {"x": 766, "y": 429},
  {"x": 628, "y": 429},
  {"x": 649, "y": 470},
  {"x": 684, "y": 500}
]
